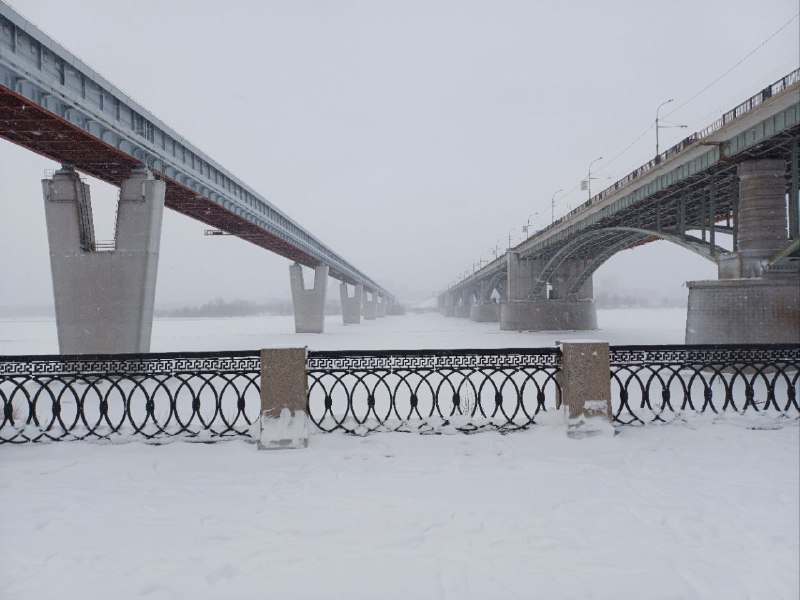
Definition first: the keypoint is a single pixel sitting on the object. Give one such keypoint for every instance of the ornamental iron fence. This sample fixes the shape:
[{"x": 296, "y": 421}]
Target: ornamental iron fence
[
  {"x": 208, "y": 397},
  {"x": 196, "y": 395},
  {"x": 665, "y": 383},
  {"x": 430, "y": 391}
]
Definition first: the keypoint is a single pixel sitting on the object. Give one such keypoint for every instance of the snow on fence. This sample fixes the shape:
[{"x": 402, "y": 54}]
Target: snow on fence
[{"x": 206, "y": 396}]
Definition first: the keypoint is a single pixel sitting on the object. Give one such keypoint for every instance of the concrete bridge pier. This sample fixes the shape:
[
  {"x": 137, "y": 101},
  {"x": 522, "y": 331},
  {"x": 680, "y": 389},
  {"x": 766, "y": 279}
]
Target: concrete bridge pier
[
  {"x": 351, "y": 305},
  {"x": 529, "y": 309},
  {"x": 309, "y": 304},
  {"x": 103, "y": 299},
  {"x": 749, "y": 304},
  {"x": 380, "y": 306},
  {"x": 440, "y": 304},
  {"x": 370, "y": 305},
  {"x": 464, "y": 307},
  {"x": 449, "y": 305},
  {"x": 485, "y": 311}
]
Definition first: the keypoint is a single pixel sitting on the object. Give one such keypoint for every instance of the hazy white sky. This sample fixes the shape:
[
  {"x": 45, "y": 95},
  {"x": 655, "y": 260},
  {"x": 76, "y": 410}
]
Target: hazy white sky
[{"x": 409, "y": 136}]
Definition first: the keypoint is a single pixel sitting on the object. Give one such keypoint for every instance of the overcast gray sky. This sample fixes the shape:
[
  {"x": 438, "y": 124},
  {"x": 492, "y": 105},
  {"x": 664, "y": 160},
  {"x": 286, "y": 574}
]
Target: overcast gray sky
[{"x": 409, "y": 136}]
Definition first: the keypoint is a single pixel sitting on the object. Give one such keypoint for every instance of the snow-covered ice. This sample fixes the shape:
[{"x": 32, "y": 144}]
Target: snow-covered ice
[{"x": 695, "y": 510}]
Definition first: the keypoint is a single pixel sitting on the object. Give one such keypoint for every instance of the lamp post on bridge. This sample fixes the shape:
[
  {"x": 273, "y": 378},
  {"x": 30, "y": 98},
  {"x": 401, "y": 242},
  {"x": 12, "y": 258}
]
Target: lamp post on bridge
[
  {"x": 553, "y": 206},
  {"x": 664, "y": 126},
  {"x": 527, "y": 228},
  {"x": 588, "y": 182}
]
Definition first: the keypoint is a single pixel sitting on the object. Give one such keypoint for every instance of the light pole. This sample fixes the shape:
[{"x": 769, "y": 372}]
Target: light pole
[
  {"x": 527, "y": 228},
  {"x": 589, "y": 176},
  {"x": 664, "y": 126},
  {"x": 553, "y": 206},
  {"x": 657, "y": 125}
]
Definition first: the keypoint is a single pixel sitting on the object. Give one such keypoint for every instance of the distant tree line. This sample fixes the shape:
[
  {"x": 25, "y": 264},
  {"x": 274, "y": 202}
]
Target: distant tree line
[
  {"x": 239, "y": 308},
  {"x": 623, "y": 300}
]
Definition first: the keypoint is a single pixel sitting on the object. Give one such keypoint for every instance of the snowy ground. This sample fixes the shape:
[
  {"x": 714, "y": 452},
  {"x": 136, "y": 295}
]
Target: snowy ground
[{"x": 661, "y": 512}]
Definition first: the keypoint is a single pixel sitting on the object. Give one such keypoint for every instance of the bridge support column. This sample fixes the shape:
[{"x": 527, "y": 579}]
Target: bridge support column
[
  {"x": 562, "y": 311},
  {"x": 449, "y": 305},
  {"x": 351, "y": 305},
  {"x": 370, "y": 308},
  {"x": 462, "y": 310},
  {"x": 485, "y": 311},
  {"x": 748, "y": 304},
  {"x": 309, "y": 304},
  {"x": 103, "y": 299},
  {"x": 380, "y": 306}
]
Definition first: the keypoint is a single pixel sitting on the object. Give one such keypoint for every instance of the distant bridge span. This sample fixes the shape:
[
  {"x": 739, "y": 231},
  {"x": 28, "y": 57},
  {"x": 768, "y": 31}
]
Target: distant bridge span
[
  {"x": 52, "y": 103},
  {"x": 730, "y": 178}
]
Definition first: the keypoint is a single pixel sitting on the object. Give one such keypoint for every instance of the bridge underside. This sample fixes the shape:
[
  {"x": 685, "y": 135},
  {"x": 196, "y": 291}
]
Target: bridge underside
[{"x": 31, "y": 126}]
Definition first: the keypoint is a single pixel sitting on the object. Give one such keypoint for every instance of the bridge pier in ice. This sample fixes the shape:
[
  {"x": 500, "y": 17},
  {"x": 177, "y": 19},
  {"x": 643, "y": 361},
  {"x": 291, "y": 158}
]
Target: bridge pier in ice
[
  {"x": 370, "y": 305},
  {"x": 485, "y": 310},
  {"x": 103, "y": 297},
  {"x": 464, "y": 306},
  {"x": 380, "y": 306},
  {"x": 309, "y": 304},
  {"x": 529, "y": 307},
  {"x": 449, "y": 305},
  {"x": 351, "y": 305},
  {"x": 750, "y": 303}
]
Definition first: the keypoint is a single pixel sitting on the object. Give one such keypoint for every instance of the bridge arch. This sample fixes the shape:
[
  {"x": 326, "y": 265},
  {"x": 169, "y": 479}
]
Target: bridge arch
[{"x": 613, "y": 240}]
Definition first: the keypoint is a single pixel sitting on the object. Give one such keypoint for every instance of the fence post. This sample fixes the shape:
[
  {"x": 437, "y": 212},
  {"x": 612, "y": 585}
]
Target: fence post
[
  {"x": 586, "y": 388},
  {"x": 284, "y": 393}
]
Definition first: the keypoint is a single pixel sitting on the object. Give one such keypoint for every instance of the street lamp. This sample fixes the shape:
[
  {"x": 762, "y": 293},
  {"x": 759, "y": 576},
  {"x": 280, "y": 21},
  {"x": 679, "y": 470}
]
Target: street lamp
[
  {"x": 657, "y": 125},
  {"x": 553, "y": 206},
  {"x": 588, "y": 182},
  {"x": 664, "y": 126},
  {"x": 527, "y": 228}
]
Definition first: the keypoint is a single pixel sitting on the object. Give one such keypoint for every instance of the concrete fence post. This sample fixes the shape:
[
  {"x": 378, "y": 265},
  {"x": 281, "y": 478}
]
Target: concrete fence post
[
  {"x": 586, "y": 388},
  {"x": 284, "y": 397}
]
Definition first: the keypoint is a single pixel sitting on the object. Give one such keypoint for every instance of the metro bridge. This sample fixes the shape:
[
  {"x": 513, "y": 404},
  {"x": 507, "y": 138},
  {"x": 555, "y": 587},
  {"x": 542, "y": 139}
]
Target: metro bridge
[
  {"x": 55, "y": 105},
  {"x": 732, "y": 178}
]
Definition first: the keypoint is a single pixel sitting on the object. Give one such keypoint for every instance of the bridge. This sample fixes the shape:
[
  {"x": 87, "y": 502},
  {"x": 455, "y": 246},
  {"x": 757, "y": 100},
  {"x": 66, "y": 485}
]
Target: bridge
[
  {"x": 732, "y": 178},
  {"x": 55, "y": 105}
]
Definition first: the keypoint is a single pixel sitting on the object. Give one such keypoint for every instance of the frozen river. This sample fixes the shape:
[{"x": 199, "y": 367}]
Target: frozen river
[{"x": 426, "y": 330}]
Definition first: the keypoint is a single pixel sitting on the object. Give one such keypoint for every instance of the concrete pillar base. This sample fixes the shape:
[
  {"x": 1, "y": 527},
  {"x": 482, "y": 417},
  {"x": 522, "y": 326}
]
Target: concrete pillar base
[
  {"x": 548, "y": 315},
  {"x": 103, "y": 299},
  {"x": 486, "y": 312},
  {"x": 370, "y": 305},
  {"x": 380, "y": 307},
  {"x": 351, "y": 305},
  {"x": 284, "y": 392},
  {"x": 309, "y": 304},
  {"x": 744, "y": 311},
  {"x": 462, "y": 311},
  {"x": 449, "y": 311},
  {"x": 586, "y": 388}
]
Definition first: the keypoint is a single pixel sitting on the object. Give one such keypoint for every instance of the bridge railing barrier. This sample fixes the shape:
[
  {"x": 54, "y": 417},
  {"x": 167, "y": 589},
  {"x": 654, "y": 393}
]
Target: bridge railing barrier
[
  {"x": 214, "y": 396},
  {"x": 731, "y": 115}
]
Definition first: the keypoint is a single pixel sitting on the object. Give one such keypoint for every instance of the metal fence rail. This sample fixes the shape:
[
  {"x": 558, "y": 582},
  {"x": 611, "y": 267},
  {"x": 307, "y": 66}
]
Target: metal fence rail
[
  {"x": 215, "y": 396},
  {"x": 665, "y": 383},
  {"x": 432, "y": 390},
  {"x": 202, "y": 395}
]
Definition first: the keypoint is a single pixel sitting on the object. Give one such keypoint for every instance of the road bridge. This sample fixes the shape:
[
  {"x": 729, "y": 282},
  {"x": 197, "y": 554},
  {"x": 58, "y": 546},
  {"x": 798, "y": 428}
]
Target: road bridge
[
  {"x": 52, "y": 103},
  {"x": 737, "y": 177}
]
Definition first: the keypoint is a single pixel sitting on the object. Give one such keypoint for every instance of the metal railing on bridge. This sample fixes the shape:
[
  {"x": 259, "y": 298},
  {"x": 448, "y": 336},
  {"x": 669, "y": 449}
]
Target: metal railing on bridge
[{"x": 214, "y": 396}]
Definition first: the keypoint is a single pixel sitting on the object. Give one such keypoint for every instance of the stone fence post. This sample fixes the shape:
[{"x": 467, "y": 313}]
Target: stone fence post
[
  {"x": 586, "y": 388},
  {"x": 284, "y": 397}
]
